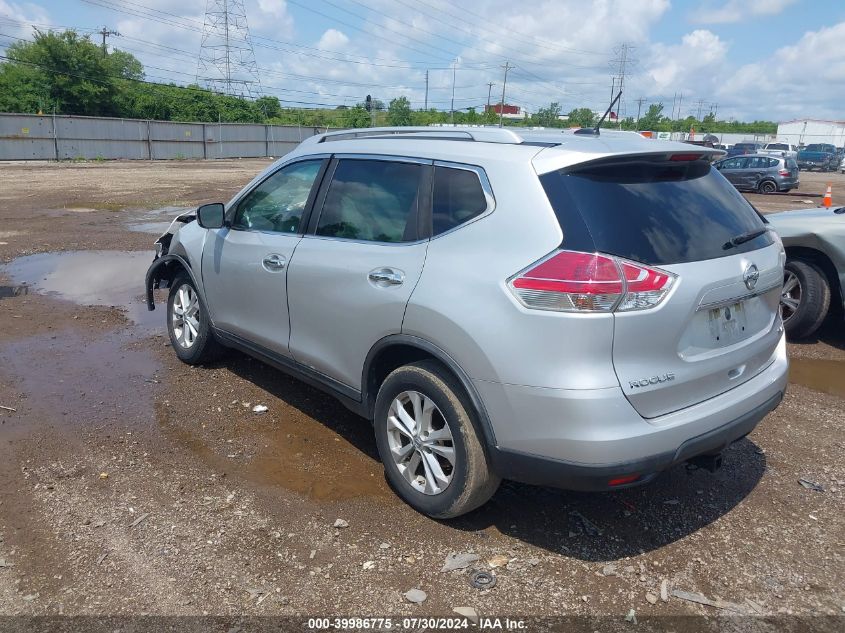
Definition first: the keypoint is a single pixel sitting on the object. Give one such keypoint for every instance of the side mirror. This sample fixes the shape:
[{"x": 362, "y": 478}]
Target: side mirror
[{"x": 211, "y": 216}]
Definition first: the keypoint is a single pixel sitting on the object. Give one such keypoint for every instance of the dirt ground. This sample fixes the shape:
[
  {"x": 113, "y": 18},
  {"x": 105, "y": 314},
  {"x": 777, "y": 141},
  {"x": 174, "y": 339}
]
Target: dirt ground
[{"x": 131, "y": 484}]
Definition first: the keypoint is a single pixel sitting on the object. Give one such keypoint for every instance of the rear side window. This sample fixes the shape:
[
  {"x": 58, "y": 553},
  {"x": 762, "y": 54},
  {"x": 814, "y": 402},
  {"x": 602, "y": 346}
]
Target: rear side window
[
  {"x": 458, "y": 198},
  {"x": 372, "y": 200},
  {"x": 652, "y": 212}
]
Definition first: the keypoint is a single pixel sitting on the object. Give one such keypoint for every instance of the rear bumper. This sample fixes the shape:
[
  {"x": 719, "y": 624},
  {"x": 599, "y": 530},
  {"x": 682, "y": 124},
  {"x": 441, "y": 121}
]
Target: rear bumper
[
  {"x": 544, "y": 471},
  {"x": 581, "y": 442}
]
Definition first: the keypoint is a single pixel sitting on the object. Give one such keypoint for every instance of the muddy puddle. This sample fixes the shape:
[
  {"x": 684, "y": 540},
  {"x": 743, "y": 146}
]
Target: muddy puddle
[
  {"x": 827, "y": 376},
  {"x": 77, "y": 380},
  {"x": 302, "y": 456},
  {"x": 155, "y": 221},
  {"x": 102, "y": 278}
]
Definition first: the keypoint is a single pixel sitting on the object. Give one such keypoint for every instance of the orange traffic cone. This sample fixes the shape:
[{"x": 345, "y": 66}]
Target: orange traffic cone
[{"x": 828, "y": 198}]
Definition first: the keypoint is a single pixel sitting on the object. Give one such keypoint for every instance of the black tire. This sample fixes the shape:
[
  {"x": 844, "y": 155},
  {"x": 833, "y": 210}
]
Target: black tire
[
  {"x": 203, "y": 347},
  {"x": 767, "y": 186},
  {"x": 472, "y": 482},
  {"x": 813, "y": 299}
]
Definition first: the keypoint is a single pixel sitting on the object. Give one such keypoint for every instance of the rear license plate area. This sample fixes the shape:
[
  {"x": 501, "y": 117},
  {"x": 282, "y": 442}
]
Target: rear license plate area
[{"x": 727, "y": 323}]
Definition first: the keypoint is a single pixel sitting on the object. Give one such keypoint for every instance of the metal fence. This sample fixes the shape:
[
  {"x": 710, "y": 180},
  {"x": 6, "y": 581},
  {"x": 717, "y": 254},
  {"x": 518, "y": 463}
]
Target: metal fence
[{"x": 61, "y": 137}]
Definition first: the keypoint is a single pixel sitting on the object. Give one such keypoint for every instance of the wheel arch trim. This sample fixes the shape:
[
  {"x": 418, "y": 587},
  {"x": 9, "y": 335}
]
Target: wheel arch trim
[
  {"x": 424, "y": 345},
  {"x": 154, "y": 276}
]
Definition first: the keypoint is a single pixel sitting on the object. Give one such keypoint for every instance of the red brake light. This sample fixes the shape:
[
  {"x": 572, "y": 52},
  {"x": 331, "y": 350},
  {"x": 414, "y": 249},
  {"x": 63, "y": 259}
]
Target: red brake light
[
  {"x": 684, "y": 157},
  {"x": 784, "y": 172},
  {"x": 571, "y": 281},
  {"x": 621, "y": 481}
]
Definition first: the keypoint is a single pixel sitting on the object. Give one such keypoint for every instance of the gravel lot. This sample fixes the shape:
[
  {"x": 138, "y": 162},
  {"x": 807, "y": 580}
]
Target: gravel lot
[{"x": 132, "y": 484}]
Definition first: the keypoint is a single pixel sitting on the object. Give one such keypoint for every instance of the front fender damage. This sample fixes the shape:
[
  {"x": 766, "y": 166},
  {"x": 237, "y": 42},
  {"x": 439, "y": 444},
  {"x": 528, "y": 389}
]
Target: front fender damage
[{"x": 165, "y": 266}]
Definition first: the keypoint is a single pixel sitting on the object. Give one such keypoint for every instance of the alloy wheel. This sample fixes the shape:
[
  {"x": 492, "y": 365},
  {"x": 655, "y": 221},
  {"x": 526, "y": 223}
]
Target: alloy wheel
[
  {"x": 790, "y": 297},
  {"x": 186, "y": 316},
  {"x": 420, "y": 442}
]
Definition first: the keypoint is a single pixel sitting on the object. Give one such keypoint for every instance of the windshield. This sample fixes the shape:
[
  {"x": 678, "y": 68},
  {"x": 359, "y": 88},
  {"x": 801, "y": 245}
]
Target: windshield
[
  {"x": 745, "y": 146},
  {"x": 816, "y": 147},
  {"x": 777, "y": 146},
  {"x": 652, "y": 212}
]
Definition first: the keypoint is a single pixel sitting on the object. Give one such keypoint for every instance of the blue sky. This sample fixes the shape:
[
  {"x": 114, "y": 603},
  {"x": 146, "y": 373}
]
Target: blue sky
[{"x": 749, "y": 59}]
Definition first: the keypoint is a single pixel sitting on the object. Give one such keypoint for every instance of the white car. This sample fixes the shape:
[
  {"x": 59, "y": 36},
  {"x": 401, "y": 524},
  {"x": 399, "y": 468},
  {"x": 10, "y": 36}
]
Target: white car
[{"x": 786, "y": 150}]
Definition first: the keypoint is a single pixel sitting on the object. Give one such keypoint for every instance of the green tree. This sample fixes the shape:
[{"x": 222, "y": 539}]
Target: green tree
[
  {"x": 582, "y": 117},
  {"x": 399, "y": 111},
  {"x": 548, "y": 117},
  {"x": 357, "y": 117},
  {"x": 269, "y": 106},
  {"x": 68, "y": 71},
  {"x": 652, "y": 117}
]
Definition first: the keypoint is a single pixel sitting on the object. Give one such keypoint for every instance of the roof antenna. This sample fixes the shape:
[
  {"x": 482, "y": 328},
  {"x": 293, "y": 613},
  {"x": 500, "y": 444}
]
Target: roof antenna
[{"x": 595, "y": 131}]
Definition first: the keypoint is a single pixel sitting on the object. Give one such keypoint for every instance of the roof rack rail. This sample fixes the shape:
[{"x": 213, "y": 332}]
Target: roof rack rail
[{"x": 478, "y": 134}]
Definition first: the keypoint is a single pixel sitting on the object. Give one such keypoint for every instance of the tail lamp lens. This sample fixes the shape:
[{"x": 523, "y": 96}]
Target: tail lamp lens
[{"x": 571, "y": 281}]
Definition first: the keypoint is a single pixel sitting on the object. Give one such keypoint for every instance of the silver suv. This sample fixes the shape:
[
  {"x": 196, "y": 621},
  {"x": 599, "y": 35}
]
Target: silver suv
[{"x": 563, "y": 309}]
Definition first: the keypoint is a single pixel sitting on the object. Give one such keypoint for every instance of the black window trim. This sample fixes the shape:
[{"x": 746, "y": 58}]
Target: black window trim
[
  {"x": 485, "y": 188},
  {"x": 423, "y": 211},
  {"x": 234, "y": 205}
]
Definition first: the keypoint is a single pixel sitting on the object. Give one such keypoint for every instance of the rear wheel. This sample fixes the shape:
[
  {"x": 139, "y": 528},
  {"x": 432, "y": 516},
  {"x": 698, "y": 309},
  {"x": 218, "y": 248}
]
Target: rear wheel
[
  {"x": 767, "y": 186},
  {"x": 189, "y": 326},
  {"x": 432, "y": 453},
  {"x": 805, "y": 298}
]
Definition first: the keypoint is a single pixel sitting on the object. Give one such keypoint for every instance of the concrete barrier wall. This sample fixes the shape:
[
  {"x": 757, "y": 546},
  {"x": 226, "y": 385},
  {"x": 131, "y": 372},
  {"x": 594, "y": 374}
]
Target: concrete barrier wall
[{"x": 63, "y": 137}]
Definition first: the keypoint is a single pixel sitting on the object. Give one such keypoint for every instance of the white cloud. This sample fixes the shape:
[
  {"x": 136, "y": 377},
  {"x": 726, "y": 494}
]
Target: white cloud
[
  {"x": 18, "y": 19},
  {"x": 738, "y": 10},
  {"x": 803, "y": 79},
  {"x": 689, "y": 65},
  {"x": 333, "y": 40}
]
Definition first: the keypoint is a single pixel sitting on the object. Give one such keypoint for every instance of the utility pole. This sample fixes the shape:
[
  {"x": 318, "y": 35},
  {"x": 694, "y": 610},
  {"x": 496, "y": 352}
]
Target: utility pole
[
  {"x": 507, "y": 67},
  {"x": 489, "y": 92},
  {"x": 426, "y": 90},
  {"x": 715, "y": 110},
  {"x": 454, "y": 74},
  {"x": 700, "y": 105},
  {"x": 105, "y": 32},
  {"x": 621, "y": 63},
  {"x": 640, "y": 102}
]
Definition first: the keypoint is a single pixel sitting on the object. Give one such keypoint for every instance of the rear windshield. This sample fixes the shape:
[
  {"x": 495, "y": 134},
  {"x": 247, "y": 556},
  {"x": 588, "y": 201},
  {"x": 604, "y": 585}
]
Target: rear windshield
[
  {"x": 745, "y": 146},
  {"x": 777, "y": 146},
  {"x": 819, "y": 148},
  {"x": 652, "y": 212}
]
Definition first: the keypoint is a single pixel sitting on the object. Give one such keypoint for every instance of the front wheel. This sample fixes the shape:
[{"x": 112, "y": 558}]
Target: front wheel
[
  {"x": 432, "y": 453},
  {"x": 188, "y": 324},
  {"x": 805, "y": 298}
]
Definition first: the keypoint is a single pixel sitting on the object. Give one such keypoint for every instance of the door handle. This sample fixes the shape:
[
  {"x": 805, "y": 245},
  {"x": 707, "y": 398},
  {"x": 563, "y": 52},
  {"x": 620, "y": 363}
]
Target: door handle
[
  {"x": 386, "y": 277},
  {"x": 274, "y": 262}
]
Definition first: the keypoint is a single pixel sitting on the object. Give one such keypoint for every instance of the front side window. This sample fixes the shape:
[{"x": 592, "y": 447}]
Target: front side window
[
  {"x": 278, "y": 203},
  {"x": 372, "y": 200},
  {"x": 458, "y": 197}
]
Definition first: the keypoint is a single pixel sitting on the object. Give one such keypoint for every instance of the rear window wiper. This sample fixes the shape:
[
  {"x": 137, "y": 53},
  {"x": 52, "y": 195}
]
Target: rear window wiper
[{"x": 742, "y": 238}]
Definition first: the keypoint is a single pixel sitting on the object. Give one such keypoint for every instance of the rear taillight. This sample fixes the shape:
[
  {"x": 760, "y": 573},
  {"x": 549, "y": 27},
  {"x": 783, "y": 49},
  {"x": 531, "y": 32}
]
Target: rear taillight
[
  {"x": 571, "y": 281},
  {"x": 784, "y": 172}
]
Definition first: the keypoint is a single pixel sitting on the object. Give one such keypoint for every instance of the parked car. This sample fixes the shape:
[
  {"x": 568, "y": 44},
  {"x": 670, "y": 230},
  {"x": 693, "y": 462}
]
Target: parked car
[
  {"x": 842, "y": 166},
  {"x": 786, "y": 150},
  {"x": 821, "y": 156},
  {"x": 554, "y": 308},
  {"x": 764, "y": 174},
  {"x": 746, "y": 147},
  {"x": 814, "y": 277}
]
